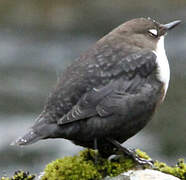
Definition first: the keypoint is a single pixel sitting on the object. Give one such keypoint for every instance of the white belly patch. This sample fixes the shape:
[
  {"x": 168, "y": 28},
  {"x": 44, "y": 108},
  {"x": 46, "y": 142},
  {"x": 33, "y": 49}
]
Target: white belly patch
[{"x": 163, "y": 70}]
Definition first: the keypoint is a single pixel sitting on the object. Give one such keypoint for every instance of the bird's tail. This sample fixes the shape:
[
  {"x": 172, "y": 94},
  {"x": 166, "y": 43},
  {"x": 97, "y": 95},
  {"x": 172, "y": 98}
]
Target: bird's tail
[{"x": 28, "y": 138}]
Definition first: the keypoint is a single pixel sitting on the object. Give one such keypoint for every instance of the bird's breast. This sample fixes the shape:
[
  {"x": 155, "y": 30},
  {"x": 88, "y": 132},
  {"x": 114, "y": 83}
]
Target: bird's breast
[{"x": 163, "y": 70}]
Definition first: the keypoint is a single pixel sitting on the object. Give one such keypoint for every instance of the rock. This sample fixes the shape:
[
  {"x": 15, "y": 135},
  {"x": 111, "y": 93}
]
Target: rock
[{"x": 146, "y": 174}]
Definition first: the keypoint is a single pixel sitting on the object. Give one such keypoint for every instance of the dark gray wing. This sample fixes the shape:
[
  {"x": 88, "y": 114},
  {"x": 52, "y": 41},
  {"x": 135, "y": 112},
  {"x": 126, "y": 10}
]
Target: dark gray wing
[
  {"x": 128, "y": 69},
  {"x": 127, "y": 103},
  {"x": 86, "y": 106}
]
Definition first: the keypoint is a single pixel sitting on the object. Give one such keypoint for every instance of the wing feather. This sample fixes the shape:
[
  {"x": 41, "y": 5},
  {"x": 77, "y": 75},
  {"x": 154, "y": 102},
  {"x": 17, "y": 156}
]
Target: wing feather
[{"x": 133, "y": 66}]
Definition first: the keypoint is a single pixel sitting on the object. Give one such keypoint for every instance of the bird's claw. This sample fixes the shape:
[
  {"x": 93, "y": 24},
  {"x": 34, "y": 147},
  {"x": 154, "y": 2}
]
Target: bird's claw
[
  {"x": 143, "y": 161},
  {"x": 136, "y": 158},
  {"x": 139, "y": 160}
]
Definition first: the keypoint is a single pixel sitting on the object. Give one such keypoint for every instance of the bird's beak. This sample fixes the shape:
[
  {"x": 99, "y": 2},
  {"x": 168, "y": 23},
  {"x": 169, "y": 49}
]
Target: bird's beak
[{"x": 170, "y": 25}]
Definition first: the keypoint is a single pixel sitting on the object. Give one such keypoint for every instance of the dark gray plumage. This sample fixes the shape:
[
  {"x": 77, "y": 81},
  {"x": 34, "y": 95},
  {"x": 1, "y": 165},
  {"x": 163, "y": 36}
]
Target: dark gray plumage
[{"x": 110, "y": 91}]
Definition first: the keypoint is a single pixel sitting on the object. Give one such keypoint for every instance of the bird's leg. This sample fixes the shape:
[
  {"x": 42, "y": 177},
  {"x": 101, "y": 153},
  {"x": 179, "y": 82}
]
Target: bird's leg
[
  {"x": 131, "y": 153},
  {"x": 96, "y": 148}
]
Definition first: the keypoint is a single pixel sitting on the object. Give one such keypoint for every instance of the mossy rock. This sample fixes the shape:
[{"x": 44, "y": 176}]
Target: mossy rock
[
  {"x": 20, "y": 175},
  {"x": 88, "y": 165},
  {"x": 179, "y": 170}
]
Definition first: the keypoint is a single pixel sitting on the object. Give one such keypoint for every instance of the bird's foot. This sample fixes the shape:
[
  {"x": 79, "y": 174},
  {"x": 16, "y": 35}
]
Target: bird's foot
[
  {"x": 115, "y": 157},
  {"x": 140, "y": 160},
  {"x": 132, "y": 153},
  {"x": 136, "y": 158}
]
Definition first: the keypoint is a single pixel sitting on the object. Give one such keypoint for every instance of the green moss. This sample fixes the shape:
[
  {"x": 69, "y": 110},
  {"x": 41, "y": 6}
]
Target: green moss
[
  {"x": 86, "y": 165},
  {"x": 142, "y": 154},
  {"x": 20, "y": 175},
  {"x": 179, "y": 170}
]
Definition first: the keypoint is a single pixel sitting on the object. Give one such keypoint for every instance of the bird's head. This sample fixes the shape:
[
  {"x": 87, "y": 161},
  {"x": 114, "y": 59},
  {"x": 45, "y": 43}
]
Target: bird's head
[{"x": 144, "y": 32}]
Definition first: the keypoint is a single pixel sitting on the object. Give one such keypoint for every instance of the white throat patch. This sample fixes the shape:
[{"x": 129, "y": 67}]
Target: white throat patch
[{"x": 163, "y": 64}]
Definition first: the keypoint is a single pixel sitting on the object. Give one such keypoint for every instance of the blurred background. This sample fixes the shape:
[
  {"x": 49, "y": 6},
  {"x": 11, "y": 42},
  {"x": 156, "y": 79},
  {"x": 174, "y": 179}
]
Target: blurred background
[{"x": 38, "y": 39}]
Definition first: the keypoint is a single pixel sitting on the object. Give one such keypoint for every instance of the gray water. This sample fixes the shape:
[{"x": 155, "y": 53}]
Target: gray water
[{"x": 30, "y": 63}]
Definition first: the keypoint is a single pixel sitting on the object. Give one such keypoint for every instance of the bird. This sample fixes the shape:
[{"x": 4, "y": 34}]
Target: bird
[{"x": 110, "y": 92}]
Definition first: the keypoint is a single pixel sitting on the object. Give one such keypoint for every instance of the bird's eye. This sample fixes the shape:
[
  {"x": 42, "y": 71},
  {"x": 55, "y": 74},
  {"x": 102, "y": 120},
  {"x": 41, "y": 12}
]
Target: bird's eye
[{"x": 153, "y": 32}]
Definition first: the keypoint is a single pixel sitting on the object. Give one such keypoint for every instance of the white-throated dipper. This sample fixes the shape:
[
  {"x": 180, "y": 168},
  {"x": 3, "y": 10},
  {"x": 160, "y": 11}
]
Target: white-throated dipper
[{"x": 110, "y": 92}]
